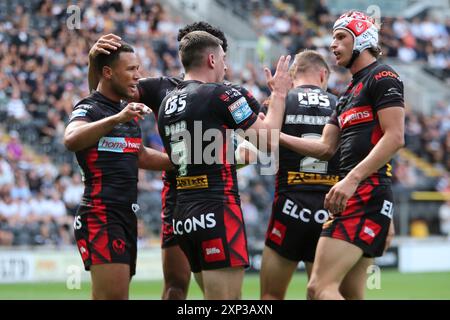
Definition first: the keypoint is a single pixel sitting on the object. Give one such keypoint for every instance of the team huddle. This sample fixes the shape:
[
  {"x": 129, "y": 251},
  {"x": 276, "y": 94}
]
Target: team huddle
[{"x": 332, "y": 206}]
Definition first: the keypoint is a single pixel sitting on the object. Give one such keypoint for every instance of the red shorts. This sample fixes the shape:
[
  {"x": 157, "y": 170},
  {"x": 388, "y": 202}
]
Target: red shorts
[
  {"x": 366, "y": 219},
  {"x": 211, "y": 234},
  {"x": 106, "y": 234}
]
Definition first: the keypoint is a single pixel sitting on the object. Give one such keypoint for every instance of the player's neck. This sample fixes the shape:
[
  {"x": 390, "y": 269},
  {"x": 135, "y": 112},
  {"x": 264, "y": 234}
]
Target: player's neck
[
  {"x": 307, "y": 81},
  {"x": 200, "y": 75},
  {"x": 108, "y": 92},
  {"x": 364, "y": 59}
]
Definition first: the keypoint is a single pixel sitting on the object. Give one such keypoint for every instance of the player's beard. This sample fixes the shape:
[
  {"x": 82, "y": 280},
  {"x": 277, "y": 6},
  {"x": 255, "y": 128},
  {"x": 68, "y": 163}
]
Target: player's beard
[{"x": 120, "y": 89}]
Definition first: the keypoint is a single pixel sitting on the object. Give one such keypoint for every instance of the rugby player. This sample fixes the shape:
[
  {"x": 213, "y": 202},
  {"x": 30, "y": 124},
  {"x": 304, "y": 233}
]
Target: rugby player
[
  {"x": 368, "y": 124},
  {"x": 104, "y": 133},
  {"x": 302, "y": 182},
  {"x": 208, "y": 221}
]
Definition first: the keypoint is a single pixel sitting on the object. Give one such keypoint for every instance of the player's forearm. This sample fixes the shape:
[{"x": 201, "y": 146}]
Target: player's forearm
[
  {"x": 83, "y": 136},
  {"x": 273, "y": 121},
  {"x": 93, "y": 78},
  {"x": 151, "y": 159},
  {"x": 383, "y": 151},
  {"x": 307, "y": 147}
]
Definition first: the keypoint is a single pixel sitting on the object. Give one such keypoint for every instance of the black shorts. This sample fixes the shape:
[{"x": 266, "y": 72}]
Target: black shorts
[
  {"x": 296, "y": 223},
  {"x": 211, "y": 234},
  {"x": 168, "y": 199},
  {"x": 366, "y": 219},
  {"x": 107, "y": 234}
]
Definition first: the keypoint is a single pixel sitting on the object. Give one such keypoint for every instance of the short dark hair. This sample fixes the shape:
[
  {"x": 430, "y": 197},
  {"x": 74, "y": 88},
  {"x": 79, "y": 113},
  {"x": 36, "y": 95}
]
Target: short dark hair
[
  {"x": 204, "y": 26},
  {"x": 308, "y": 60},
  {"x": 193, "y": 46},
  {"x": 102, "y": 59}
]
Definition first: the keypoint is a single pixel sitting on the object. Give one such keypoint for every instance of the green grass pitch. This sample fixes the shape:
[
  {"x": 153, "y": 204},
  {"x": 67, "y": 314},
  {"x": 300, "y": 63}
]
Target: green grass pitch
[{"x": 393, "y": 285}]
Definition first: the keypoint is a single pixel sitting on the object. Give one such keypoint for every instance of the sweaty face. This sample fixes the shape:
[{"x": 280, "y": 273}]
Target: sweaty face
[
  {"x": 125, "y": 75},
  {"x": 342, "y": 46}
]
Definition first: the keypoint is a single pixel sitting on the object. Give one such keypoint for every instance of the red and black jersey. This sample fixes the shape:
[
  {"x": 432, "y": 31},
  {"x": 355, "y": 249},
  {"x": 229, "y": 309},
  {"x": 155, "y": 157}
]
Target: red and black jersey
[
  {"x": 152, "y": 92},
  {"x": 308, "y": 109},
  {"x": 109, "y": 167},
  {"x": 373, "y": 88},
  {"x": 192, "y": 121}
]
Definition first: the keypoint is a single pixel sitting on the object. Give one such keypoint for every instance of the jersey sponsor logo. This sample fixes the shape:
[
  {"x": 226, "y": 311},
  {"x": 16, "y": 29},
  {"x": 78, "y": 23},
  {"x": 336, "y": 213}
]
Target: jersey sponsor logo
[
  {"x": 290, "y": 208},
  {"x": 306, "y": 119},
  {"x": 355, "y": 116},
  {"x": 205, "y": 221},
  {"x": 84, "y": 106},
  {"x": 119, "y": 144},
  {"x": 230, "y": 93},
  {"x": 311, "y": 178},
  {"x": 277, "y": 233},
  {"x": 240, "y": 110},
  {"x": 357, "y": 90},
  {"x": 176, "y": 103},
  {"x": 213, "y": 250},
  {"x": 119, "y": 246},
  {"x": 224, "y": 97},
  {"x": 79, "y": 113},
  {"x": 369, "y": 231},
  {"x": 135, "y": 207},
  {"x": 387, "y": 209},
  {"x": 393, "y": 92},
  {"x": 82, "y": 247},
  {"x": 386, "y": 74},
  {"x": 192, "y": 182},
  {"x": 175, "y": 128},
  {"x": 312, "y": 98},
  {"x": 77, "y": 223}
]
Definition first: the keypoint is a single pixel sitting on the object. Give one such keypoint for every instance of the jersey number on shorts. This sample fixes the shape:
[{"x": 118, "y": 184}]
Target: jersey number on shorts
[{"x": 310, "y": 164}]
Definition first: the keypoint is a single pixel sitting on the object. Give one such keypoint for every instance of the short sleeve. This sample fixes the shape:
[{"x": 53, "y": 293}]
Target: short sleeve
[
  {"x": 252, "y": 102},
  {"x": 231, "y": 106},
  {"x": 83, "y": 112},
  {"x": 333, "y": 119},
  {"x": 386, "y": 89}
]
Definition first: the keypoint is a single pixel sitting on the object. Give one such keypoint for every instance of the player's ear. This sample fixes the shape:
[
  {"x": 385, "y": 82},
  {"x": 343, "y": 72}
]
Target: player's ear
[
  {"x": 107, "y": 72},
  {"x": 323, "y": 76},
  {"x": 211, "y": 60}
]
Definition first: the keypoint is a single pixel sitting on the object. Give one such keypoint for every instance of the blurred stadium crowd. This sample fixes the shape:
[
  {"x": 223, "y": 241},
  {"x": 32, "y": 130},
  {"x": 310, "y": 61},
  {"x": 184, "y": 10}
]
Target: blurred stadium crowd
[{"x": 43, "y": 74}]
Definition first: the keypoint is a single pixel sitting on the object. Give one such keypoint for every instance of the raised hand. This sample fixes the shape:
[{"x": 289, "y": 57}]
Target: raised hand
[
  {"x": 105, "y": 45},
  {"x": 281, "y": 81}
]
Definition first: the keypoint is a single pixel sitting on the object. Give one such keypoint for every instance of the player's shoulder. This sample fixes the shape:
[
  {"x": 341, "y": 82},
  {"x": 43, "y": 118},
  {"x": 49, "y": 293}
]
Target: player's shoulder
[
  {"x": 331, "y": 96},
  {"x": 211, "y": 88},
  {"x": 227, "y": 91},
  {"x": 89, "y": 102},
  {"x": 173, "y": 81},
  {"x": 235, "y": 86},
  {"x": 384, "y": 71}
]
